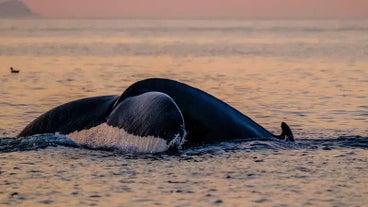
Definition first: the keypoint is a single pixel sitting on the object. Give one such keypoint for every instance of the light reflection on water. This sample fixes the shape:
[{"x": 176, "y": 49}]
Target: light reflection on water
[
  {"x": 68, "y": 176},
  {"x": 311, "y": 74},
  {"x": 317, "y": 99}
]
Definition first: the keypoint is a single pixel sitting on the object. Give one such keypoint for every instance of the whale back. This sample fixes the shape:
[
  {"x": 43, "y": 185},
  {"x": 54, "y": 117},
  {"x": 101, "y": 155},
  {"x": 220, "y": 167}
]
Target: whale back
[
  {"x": 153, "y": 108},
  {"x": 207, "y": 118}
]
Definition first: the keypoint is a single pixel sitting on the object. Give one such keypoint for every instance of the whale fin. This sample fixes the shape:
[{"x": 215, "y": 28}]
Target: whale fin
[
  {"x": 150, "y": 114},
  {"x": 73, "y": 116},
  {"x": 286, "y": 133}
]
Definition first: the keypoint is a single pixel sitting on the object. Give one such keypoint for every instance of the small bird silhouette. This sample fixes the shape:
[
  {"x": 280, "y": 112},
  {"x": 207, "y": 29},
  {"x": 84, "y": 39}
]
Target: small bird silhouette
[{"x": 12, "y": 70}]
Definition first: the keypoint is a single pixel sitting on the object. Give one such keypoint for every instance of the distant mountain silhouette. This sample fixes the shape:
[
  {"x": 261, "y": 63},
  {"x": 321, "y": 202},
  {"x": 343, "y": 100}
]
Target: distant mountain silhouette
[{"x": 15, "y": 8}]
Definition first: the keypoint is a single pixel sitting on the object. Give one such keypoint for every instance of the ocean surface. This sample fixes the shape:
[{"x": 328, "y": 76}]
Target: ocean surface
[{"x": 312, "y": 74}]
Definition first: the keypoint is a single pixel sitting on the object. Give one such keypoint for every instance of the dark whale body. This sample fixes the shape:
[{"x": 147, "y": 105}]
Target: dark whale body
[{"x": 156, "y": 107}]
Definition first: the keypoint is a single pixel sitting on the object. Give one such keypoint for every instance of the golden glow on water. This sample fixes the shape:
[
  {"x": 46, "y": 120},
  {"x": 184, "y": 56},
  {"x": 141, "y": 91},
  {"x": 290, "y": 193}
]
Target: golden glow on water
[
  {"x": 66, "y": 176},
  {"x": 9, "y": 41},
  {"x": 308, "y": 94},
  {"x": 315, "y": 80}
]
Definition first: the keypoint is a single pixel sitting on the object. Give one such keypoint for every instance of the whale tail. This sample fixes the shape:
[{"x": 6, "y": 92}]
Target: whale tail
[{"x": 286, "y": 133}]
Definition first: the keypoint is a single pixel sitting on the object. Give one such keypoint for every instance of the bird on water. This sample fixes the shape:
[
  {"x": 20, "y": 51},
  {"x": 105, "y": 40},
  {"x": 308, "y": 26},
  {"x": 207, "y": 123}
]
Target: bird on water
[{"x": 12, "y": 70}]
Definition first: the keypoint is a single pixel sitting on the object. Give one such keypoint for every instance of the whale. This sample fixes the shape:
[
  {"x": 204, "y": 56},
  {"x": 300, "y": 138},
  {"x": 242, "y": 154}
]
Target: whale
[{"x": 151, "y": 115}]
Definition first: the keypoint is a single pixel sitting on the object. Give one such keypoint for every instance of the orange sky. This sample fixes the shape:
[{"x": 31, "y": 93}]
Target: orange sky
[{"x": 201, "y": 8}]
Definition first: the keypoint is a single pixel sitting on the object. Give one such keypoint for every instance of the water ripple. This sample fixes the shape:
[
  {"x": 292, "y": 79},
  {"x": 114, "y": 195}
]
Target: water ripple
[{"x": 8, "y": 144}]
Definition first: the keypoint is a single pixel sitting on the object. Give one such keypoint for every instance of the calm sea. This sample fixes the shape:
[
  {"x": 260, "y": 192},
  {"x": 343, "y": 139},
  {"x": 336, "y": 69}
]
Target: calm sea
[{"x": 312, "y": 74}]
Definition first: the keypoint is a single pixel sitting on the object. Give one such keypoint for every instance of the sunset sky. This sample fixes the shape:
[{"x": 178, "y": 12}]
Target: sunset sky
[{"x": 201, "y": 8}]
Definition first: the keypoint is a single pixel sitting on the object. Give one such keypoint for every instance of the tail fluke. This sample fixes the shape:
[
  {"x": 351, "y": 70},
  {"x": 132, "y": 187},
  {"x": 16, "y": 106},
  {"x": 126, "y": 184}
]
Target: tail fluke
[{"x": 286, "y": 133}]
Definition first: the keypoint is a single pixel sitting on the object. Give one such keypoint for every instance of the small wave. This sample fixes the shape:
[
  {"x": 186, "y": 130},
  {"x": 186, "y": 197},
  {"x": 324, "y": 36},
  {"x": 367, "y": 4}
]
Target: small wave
[
  {"x": 352, "y": 142},
  {"x": 241, "y": 145},
  {"x": 343, "y": 142},
  {"x": 8, "y": 144}
]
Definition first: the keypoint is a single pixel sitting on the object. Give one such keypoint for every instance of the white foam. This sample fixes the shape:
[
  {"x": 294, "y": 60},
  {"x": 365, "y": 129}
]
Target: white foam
[{"x": 104, "y": 135}]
